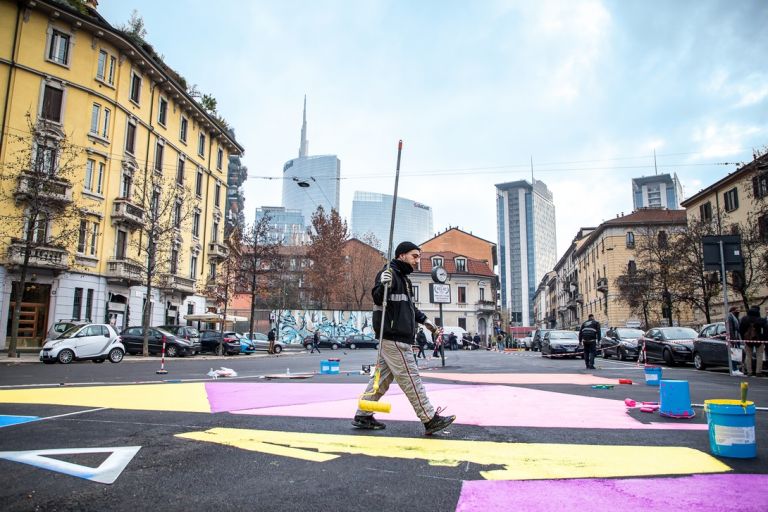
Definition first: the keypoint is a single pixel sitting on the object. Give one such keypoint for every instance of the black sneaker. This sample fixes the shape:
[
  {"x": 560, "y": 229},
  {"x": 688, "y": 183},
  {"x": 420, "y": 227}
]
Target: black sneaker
[
  {"x": 367, "y": 423},
  {"x": 438, "y": 423}
]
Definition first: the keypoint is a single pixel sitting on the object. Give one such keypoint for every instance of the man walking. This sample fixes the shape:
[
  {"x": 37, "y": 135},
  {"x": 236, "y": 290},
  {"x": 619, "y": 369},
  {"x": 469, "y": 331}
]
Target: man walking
[
  {"x": 396, "y": 361},
  {"x": 421, "y": 339},
  {"x": 315, "y": 343},
  {"x": 589, "y": 334},
  {"x": 732, "y": 326},
  {"x": 271, "y": 340},
  {"x": 752, "y": 328}
]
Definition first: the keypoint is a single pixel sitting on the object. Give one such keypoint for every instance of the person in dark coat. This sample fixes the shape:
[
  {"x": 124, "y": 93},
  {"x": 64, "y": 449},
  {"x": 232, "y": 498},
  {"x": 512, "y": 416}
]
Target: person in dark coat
[
  {"x": 271, "y": 339},
  {"x": 421, "y": 340},
  {"x": 752, "y": 327},
  {"x": 589, "y": 335}
]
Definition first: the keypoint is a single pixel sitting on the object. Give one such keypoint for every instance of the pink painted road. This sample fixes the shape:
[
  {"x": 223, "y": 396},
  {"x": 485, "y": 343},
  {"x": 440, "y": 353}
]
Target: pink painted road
[{"x": 481, "y": 405}]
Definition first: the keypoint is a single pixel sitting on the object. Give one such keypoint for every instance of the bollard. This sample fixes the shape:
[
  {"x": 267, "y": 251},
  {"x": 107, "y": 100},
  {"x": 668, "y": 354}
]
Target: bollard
[{"x": 162, "y": 370}]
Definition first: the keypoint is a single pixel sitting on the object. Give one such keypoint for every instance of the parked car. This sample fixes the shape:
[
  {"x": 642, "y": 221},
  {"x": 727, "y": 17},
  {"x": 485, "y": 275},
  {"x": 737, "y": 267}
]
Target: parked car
[
  {"x": 214, "y": 341},
  {"x": 133, "y": 339},
  {"x": 332, "y": 342},
  {"x": 669, "y": 344},
  {"x": 58, "y": 328},
  {"x": 95, "y": 342},
  {"x": 526, "y": 342},
  {"x": 538, "y": 337},
  {"x": 361, "y": 341},
  {"x": 621, "y": 342},
  {"x": 560, "y": 342},
  {"x": 710, "y": 348},
  {"x": 260, "y": 342},
  {"x": 184, "y": 331}
]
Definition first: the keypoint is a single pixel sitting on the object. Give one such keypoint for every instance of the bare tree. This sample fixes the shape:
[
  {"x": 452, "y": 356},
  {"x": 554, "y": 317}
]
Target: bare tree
[
  {"x": 692, "y": 283},
  {"x": 41, "y": 219},
  {"x": 363, "y": 262},
  {"x": 225, "y": 282},
  {"x": 326, "y": 273},
  {"x": 635, "y": 290}
]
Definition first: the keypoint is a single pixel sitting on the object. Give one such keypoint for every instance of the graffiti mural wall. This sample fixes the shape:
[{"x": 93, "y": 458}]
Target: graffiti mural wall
[{"x": 296, "y": 324}]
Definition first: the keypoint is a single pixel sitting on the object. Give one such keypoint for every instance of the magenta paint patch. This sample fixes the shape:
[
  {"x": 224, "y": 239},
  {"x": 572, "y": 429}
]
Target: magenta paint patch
[
  {"x": 234, "y": 396},
  {"x": 472, "y": 405},
  {"x": 721, "y": 493}
]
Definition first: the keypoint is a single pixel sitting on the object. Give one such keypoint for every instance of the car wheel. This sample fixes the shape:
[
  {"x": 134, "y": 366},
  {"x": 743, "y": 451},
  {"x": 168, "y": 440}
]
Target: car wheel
[
  {"x": 334, "y": 346},
  {"x": 172, "y": 351},
  {"x": 606, "y": 355},
  {"x": 277, "y": 349},
  {"x": 219, "y": 350},
  {"x": 622, "y": 355},
  {"x": 98, "y": 360},
  {"x": 377, "y": 346},
  {"x": 668, "y": 357},
  {"x": 698, "y": 362},
  {"x": 66, "y": 356},
  {"x": 352, "y": 346},
  {"x": 116, "y": 355}
]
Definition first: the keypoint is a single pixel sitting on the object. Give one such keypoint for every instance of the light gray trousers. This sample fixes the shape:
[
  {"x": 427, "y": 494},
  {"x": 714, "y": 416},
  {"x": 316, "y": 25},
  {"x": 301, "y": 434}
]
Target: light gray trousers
[{"x": 397, "y": 363}]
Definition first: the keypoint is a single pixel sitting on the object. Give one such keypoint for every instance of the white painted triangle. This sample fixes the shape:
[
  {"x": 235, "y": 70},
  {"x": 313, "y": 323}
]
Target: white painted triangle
[{"x": 106, "y": 473}]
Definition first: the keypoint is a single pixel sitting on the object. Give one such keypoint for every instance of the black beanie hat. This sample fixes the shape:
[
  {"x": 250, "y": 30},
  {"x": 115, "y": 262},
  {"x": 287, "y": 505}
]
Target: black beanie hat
[{"x": 404, "y": 247}]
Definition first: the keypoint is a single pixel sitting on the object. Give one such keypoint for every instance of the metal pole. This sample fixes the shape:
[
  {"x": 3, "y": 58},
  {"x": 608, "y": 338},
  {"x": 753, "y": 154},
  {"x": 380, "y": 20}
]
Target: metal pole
[
  {"x": 725, "y": 307},
  {"x": 442, "y": 344}
]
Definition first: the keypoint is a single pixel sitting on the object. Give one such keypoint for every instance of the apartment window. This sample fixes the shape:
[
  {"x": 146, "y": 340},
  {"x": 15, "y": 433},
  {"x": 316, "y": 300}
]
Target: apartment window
[
  {"x": 121, "y": 244},
  {"x": 215, "y": 232},
  {"x": 201, "y": 145},
  {"x": 192, "y": 266},
  {"x": 162, "y": 111},
  {"x": 155, "y": 203},
  {"x": 482, "y": 294},
  {"x": 46, "y": 160},
  {"x": 705, "y": 211},
  {"x": 105, "y": 70},
  {"x": 212, "y": 271},
  {"x": 183, "y": 129},
  {"x": 196, "y": 224},
  {"x": 731, "y": 200},
  {"x": 90, "y": 166},
  {"x": 461, "y": 265},
  {"x": 663, "y": 240},
  {"x": 415, "y": 294},
  {"x": 630, "y": 240},
  {"x": 130, "y": 136},
  {"x": 631, "y": 267},
  {"x": 95, "y": 114},
  {"x": 99, "y": 124},
  {"x": 462, "y": 294},
  {"x": 760, "y": 185},
  {"x": 135, "y": 93},
  {"x": 58, "y": 47},
  {"x": 174, "y": 260},
  {"x": 463, "y": 323},
  {"x": 53, "y": 99},
  {"x": 177, "y": 215},
  {"x": 180, "y": 171},
  {"x": 190, "y": 311},
  {"x": 77, "y": 304},
  {"x": 199, "y": 183},
  {"x": 762, "y": 227},
  {"x": 40, "y": 230},
  {"x": 159, "y": 156},
  {"x": 437, "y": 262},
  {"x": 94, "y": 238},
  {"x": 125, "y": 185},
  {"x": 217, "y": 195},
  {"x": 89, "y": 305},
  {"x": 82, "y": 236},
  {"x": 219, "y": 158}
]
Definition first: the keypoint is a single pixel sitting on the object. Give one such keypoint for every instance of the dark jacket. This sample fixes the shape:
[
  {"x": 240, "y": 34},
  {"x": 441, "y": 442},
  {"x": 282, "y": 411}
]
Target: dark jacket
[
  {"x": 752, "y": 318},
  {"x": 271, "y": 335},
  {"x": 402, "y": 315},
  {"x": 732, "y": 326},
  {"x": 589, "y": 332},
  {"x": 421, "y": 339}
]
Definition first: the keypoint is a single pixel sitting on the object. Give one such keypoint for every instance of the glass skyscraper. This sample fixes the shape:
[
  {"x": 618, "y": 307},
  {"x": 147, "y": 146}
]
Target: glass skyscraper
[
  {"x": 311, "y": 181},
  {"x": 372, "y": 213},
  {"x": 525, "y": 217},
  {"x": 286, "y": 226},
  {"x": 659, "y": 191}
]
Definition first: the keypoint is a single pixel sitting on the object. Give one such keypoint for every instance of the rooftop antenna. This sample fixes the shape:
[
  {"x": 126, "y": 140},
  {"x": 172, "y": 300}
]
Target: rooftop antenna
[
  {"x": 533, "y": 181},
  {"x": 654, "y": 162}
]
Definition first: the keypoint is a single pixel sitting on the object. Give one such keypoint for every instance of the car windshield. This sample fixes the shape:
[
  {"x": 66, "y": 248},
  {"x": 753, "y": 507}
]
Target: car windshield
[
  {"x": 563, "y": 335},
  {"x": 62, "y": 327},
  {"x": 629, "y": 333},
  {"x": 678, "y": 333},
  {"x": 71, "y": 331},
  {"x": 164, "y": 332}
]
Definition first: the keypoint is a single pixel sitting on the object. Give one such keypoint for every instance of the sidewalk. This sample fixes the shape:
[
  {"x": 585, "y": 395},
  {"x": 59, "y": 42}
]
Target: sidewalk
[{"x": 34, "y": 357}]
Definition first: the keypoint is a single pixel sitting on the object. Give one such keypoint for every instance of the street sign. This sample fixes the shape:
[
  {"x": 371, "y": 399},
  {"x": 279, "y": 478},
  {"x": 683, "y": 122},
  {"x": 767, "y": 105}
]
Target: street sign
[
  {"x": 731, "y": 252},
  {"x": 439, "y": 293}
]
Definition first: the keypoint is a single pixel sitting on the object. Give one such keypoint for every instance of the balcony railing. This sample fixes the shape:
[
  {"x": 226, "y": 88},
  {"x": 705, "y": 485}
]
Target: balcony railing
[
  {"x": 217, "y": 251},
  {"x": 54, "y": 258},
  {"x": 486, "y": 306},
  {"x": 171, "y": 283},
  {"x": 602, "y": 285},
  {"x": 124, "y": 270},
  {"x": 52, "y": 190},
  {"x": 125, "y": 212}
]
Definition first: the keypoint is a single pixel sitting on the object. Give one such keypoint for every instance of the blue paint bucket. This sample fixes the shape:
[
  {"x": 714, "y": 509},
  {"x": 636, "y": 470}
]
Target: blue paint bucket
[
  {"x": 652, "y": 375},
  {"x": 329, "y": 366},
  {"x": 731, "y": 428},
  {"x": 675, "y": 399}
]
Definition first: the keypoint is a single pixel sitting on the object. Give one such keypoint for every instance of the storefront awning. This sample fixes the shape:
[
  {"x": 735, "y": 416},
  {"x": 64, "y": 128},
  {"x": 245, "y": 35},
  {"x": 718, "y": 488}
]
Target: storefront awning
[{"x": 214, "y": 318}]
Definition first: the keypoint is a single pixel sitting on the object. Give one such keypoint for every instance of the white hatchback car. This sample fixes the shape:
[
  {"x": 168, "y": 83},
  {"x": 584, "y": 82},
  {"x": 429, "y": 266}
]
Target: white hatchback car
[{"x": 95, "y": 342}]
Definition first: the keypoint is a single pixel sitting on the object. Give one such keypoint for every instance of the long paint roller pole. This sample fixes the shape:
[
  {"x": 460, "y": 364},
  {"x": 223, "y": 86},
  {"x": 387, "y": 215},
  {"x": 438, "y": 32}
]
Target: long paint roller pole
[{"x": 370, "y": 405}]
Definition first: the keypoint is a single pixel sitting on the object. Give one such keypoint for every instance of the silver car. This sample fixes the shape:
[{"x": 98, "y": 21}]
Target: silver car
[
  {"x": 94, "y": 342},
  {"x": 260, "y": 341}
]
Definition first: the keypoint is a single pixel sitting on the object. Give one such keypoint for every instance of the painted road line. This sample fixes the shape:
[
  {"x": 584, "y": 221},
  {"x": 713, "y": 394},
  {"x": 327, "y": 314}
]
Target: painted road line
[
  {"x": 8, "y": 420},
  {"x": 106, "y": 473},
  {"x": 724, "y": 493},
  {"x": 520, "y": 461}
]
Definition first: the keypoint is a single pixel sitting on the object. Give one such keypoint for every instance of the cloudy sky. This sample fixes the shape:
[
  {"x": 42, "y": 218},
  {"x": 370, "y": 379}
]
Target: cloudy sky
[{"x": 587, "y": 90}]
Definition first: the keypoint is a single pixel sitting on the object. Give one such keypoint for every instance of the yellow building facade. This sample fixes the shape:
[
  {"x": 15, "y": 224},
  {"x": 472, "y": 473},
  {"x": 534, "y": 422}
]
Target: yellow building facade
[{"x": 131, "y": 124}]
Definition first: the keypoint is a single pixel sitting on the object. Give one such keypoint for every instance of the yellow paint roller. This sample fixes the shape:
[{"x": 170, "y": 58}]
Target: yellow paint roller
[{"x": 362, "y": 403}]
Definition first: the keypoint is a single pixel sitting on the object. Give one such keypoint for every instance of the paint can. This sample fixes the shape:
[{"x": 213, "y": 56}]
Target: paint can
[
  {"x": 731, "y": 428},
  {"x": 675, "y": 399},
  {"x": 329, "y": 366},
  {"x": 652, "y": 375}
]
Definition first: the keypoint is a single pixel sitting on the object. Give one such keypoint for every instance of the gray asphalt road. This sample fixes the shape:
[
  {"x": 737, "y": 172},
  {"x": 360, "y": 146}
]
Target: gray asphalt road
[{"x": 173, "y": 473}]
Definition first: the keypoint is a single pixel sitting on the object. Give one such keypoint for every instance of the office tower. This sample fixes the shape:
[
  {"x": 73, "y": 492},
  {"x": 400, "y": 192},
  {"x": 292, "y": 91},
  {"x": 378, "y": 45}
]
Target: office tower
[
  {"x": 286, "y": 226},
  {"x": 527, "y": 245},
  {"x": 659, "y": 191},
  {"x": 372, "y": 213},
  {"x": 311, "y": 181}
]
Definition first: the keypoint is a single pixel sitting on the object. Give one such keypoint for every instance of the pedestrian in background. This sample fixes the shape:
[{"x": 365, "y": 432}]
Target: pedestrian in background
[
  {"x": 271, "y": 339},
  {"x": 315, "y": 343},
  {"x": 421, "y": 340},
  {"x": 752, "y": 327},
  {"x": 589, "y": 334}
]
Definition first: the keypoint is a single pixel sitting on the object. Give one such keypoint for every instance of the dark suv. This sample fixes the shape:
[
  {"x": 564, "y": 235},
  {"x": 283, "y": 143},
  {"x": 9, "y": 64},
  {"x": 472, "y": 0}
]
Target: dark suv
[
  {"x": 538, "y": 337},
  {"x": 133, "y": 340},
  {"x": 184, "y": 331},
  {"x": 214, "y": 341}
]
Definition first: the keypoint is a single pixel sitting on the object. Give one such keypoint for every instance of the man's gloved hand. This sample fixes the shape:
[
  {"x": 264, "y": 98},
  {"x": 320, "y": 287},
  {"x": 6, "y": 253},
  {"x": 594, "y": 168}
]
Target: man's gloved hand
[
  {"x": 429, "y": 325},
  {"x": 386, "y": 277}
]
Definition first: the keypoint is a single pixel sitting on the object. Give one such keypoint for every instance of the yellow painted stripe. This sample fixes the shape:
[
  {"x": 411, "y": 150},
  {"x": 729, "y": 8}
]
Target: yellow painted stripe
[
  {"x": 520, "y": 461},
  {"x": 182, "y": 397}
]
